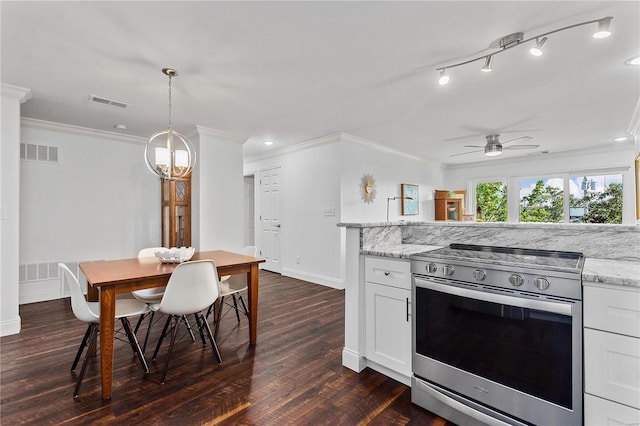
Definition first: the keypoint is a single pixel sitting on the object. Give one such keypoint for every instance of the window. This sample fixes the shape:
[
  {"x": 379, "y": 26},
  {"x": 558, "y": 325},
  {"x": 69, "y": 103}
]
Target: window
[
  {"x": 491, "y": 202},
  {"x": 542, "y": 200},
  {"x": 595, "y": 199}
]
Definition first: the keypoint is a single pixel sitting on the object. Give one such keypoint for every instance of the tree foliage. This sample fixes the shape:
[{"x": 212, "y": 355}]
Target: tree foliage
[
  {"x": 603, "y": 207},
  {"x": 544, "y": 204},
  {"x": 491, "y": 201}
]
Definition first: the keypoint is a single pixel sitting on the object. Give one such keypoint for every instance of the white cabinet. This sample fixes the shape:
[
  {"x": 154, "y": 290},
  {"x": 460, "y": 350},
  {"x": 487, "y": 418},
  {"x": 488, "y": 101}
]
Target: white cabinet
[
  {"x": 388, "y": 316},
  {"x": 611, "y": 355}
]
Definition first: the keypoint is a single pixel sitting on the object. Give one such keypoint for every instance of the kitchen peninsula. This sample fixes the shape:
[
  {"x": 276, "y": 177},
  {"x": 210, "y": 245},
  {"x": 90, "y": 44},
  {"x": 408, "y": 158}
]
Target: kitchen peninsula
[{"x": 378, "y": 267}]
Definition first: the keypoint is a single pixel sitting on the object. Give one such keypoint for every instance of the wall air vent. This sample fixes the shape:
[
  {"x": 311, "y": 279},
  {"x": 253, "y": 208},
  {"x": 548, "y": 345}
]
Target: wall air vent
[
  {"x": 31, "y": 152},
  {"x": 105, "y": 101}
]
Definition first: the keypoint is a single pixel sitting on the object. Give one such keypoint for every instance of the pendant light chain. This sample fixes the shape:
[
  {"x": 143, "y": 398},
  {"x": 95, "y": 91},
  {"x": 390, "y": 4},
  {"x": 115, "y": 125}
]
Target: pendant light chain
[{"x": 169, "y": 101}]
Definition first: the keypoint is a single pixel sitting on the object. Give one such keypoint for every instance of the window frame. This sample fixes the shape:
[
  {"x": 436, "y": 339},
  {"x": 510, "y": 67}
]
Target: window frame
[{"x": 513, "y": 191}]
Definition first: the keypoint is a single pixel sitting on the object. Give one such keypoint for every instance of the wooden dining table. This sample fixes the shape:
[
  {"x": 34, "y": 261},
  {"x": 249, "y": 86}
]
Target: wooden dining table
[{"x": 105, "y": 279}]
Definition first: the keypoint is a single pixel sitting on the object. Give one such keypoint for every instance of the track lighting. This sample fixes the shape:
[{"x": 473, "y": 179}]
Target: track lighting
[
  {"x": 603, "y": 28},
  {"x": 517, "y": 39},
  {"x": 537, "y": 49},
  {"x": 487, "y": 64},
  {"x": 444, "y": 78}
]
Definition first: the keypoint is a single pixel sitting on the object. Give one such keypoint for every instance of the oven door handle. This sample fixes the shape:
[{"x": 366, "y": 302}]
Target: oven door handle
[
  {"x": 483, "y": 418},
  {"x": 541, "y": 305}
]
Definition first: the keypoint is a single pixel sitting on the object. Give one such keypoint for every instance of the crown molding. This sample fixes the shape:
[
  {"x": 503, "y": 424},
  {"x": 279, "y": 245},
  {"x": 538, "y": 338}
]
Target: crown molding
[
  {"x": 332, "y": 138},
  {"x": 198, "y": 131},
  {"x": 32, "y": 123},
  {"x": 20, "y": 94},
  {"x": 624, "y": 146}
]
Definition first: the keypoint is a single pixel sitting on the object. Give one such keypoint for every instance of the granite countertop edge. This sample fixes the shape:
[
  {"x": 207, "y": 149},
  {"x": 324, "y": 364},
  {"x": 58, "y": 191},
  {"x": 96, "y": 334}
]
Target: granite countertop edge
[{"x": 601, "y": 271}]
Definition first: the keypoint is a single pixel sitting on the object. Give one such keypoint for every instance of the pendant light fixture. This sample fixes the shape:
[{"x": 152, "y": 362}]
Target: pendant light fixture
[
  {"x": 169, "y": 154},
  {"x": 517, "y": 39}
]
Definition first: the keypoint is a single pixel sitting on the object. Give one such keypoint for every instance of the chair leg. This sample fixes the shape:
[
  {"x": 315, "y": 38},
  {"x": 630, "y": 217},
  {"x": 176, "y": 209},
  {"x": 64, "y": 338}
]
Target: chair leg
[
  {"x": 82, "y": 345},
  {"x": 186, "y": 322},
  {"x": 146, "y": 337},
  {"x": 204, "y": 342},
  {"x": 244, "y": 305},
  {"x": 173, "y": 340},
  {"x": 235, "y": 306},
  {"x": 93, "y": 340},
  {"x": 140, "y": 322},
  {"x": 218, "y": 315},
  {"x": 164, "y": 331},
  {"x": 133, "y": 341},
  {"x": 214, "y": 347}
]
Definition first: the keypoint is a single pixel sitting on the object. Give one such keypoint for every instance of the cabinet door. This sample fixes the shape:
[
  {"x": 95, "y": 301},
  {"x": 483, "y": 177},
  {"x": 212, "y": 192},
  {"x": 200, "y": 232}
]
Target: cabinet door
[
  {"x": 612, "y": 367},
  {"x": 388, "y": 327},
  {"x": 598, "y": 412}
]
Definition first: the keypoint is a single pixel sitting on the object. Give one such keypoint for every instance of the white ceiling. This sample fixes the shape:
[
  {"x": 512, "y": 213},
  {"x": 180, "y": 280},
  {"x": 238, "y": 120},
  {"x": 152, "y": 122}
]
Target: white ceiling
[{"x": 295, "y": 71}]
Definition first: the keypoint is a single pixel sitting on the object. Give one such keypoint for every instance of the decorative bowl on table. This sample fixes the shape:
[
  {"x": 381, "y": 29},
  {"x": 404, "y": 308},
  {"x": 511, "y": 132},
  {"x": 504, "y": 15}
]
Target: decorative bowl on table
[{"x": 175, "y": 254}]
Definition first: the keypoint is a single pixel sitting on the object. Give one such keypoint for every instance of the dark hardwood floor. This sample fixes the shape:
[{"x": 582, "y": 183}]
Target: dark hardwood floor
[{"x": 293, "y": 376}]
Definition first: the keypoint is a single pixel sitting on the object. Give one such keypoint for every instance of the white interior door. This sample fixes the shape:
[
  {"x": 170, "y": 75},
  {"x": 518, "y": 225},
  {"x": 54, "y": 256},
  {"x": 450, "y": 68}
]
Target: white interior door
[
  {"x": 269, "y": 218},
  {"x": 249, "y": 216}
]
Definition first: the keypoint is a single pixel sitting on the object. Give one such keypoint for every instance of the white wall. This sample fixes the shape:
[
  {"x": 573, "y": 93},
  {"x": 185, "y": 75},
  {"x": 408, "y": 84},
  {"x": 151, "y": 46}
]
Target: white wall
[
  {"x": 98, "y": 202},
  {"x": 325, "y": 174},
  {"x": 12, "y": 97},
  {"x": 618, "y": 157},
  {"x": 389, "y": 170},
  {"x": 217, "y": 196}
]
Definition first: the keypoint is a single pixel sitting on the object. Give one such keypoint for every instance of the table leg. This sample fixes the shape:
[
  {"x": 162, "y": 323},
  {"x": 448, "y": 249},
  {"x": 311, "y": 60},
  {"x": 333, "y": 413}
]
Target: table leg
[
  {"x": 253, "y": 303},
  {"x": 107, "y": 331}
]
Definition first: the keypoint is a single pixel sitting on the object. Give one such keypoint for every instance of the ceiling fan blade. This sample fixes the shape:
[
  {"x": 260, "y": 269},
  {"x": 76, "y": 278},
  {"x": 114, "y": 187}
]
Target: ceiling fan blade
[
  {"x": 522, "y": 138},
  {"x": 465, "y": 153},
  {"x": 516, "y": 147},
  {"x": 474, "y": 146},
  {"x": 459, "y": 138}
]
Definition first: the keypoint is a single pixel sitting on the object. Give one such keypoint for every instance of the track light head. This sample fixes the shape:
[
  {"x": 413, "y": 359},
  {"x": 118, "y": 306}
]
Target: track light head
[
  {"x": 603, "y": 28},
  {"x": 537, "y": 49},
  {"x": 444, "y": 78},
  {"x": 487, "y": 64}
]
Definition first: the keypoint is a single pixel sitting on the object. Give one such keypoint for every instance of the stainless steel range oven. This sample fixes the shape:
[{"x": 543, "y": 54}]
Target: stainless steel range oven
[{"x": 497, "y": 335}]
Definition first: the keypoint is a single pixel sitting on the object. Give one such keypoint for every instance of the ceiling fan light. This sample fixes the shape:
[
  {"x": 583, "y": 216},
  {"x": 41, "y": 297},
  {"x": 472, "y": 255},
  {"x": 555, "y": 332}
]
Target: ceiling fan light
[
  {"x": 487, "y": 64},
  {"x": 492, "y": 149},
  {"x": 537, "y": 49},
  {"x": 444, "y": 78},
  {"x": 603, "y": 28}
]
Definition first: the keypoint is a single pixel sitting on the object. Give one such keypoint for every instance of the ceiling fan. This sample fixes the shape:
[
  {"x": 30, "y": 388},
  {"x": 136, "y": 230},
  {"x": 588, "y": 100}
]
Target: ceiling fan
[{"x": 494, "y": 146}]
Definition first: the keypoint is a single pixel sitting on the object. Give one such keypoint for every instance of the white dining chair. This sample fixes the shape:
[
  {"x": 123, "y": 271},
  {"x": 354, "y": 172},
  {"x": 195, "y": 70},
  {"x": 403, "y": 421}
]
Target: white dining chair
[
  {"x": 152, "y": 296},
  {"x": 233, "y": 285},
  {"x": 89, "y": 312},
  {"x": 193, "y": 287}
]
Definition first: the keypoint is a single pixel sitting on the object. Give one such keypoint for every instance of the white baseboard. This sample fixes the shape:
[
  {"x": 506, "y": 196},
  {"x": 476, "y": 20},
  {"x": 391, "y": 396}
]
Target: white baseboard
[
  {"x": 353, "y": 360},
  {"x": 313, "y": 278},
  {"x": 10, "y": 326},
  {"x": 38, "y": 296}
]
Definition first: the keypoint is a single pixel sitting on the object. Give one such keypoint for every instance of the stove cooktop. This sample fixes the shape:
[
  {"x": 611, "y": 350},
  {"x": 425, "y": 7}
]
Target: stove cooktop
[{"x": 521, "y": 257}]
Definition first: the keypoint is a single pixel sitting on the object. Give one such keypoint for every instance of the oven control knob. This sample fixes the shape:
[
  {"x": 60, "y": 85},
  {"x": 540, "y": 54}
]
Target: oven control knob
[
  {"x": 541, "y": 283},
  {"x": 479, "y": 275},
  {"x": 431, "y": 268},
  {"x": 516, "y": 280},
  {"x": 448, "y": 270}
]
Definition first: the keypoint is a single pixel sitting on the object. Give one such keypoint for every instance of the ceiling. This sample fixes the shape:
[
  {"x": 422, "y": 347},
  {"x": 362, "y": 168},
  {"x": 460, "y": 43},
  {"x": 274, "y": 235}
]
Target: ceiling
[{"x": 294, "y": 71}]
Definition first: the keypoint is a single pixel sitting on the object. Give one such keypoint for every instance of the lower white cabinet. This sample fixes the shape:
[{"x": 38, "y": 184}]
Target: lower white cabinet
[
  {"x": 611, "y": 356},
  {"x": 388, "y": 327},
  {"x": 388, "y": 315}
]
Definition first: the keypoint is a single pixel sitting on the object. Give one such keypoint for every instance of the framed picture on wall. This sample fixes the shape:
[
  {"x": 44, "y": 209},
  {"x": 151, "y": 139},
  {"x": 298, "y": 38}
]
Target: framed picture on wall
[{"x": 409, "y": 199}]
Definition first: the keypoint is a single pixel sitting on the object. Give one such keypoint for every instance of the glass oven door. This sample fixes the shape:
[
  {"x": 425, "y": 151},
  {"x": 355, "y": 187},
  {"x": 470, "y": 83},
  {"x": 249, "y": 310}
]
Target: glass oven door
[{"x": 525, "y": 344}]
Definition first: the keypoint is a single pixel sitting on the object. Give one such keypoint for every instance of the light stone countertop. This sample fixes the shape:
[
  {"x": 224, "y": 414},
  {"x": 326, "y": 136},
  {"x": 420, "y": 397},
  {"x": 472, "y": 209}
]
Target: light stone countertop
[
  {"x": 602, "y": 271},
  {"x": 608, "y": 271},
  {"x": 399, "y": 251}
]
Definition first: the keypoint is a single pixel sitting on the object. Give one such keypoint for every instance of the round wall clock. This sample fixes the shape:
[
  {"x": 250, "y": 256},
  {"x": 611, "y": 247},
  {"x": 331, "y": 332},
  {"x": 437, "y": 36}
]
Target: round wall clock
[{"x": 368, "y": 188}]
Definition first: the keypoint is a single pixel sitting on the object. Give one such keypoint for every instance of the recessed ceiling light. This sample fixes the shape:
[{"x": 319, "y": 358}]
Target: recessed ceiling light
[
  {"x": 622, "y": 137},
  {"x": 268, "y": 142},
  {"x": 120, "y": 127},
  {"x": 633, "y": 61}
]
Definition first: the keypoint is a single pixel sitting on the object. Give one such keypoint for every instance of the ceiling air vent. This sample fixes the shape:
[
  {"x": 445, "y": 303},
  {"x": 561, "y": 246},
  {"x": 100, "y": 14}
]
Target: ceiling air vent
[{"x": 98, "y": 99}]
